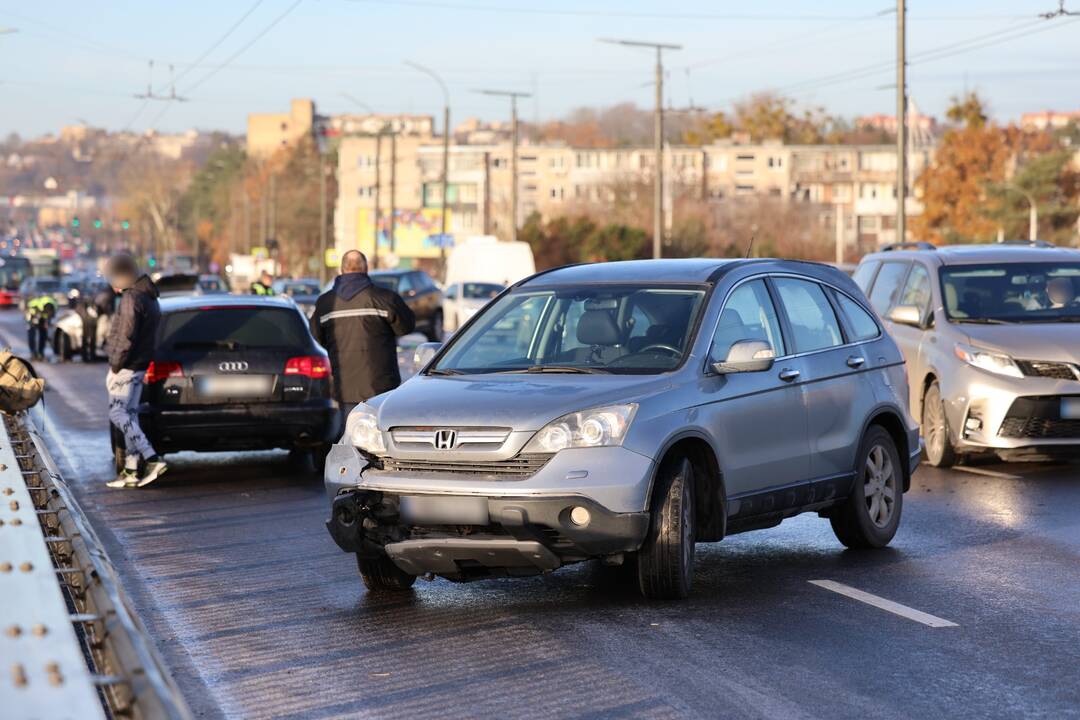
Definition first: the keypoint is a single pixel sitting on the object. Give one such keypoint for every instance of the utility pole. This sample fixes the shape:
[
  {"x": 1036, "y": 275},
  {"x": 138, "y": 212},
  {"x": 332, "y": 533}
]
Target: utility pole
[
  {"x": 393, "y": 189},
  {"x": 513, "y": 153},
  {"x": 273, "y": 207},
  {"x": 901, "y": 121},
  {"x": 444, "y": 179},
  {"x": 658, "y": 137},
  {"x": 1033, "y": 210},
  {"x": 247, "y": 221},
  {"x": 378, "y": 187},
  {"x": 322, "y": 218}
]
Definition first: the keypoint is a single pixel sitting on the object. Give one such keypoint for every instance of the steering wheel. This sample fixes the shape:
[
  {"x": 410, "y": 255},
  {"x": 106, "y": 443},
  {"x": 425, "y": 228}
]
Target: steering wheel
[{"x": 661, "y": 346}]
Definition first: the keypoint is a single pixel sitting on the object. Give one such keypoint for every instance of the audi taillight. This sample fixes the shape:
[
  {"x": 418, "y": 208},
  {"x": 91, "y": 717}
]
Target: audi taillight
[
  {"x": 160, "y": 370},
  {"x": 312, "y": 366}
]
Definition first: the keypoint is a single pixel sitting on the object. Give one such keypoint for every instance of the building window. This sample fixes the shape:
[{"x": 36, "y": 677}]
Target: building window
[
  {"x": 776, "y": 163},
  {"x": 745, "y": 158}
]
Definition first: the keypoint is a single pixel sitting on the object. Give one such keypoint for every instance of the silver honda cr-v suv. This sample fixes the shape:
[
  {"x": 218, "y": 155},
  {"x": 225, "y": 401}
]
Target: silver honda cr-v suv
[
  {"x": 627, "y": 411},
  {"x": 992, "y": 344}
]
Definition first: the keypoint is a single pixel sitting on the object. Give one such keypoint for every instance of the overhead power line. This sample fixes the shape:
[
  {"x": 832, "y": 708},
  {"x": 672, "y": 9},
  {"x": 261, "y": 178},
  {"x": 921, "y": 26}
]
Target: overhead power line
[{"x": 217, "y": 43}]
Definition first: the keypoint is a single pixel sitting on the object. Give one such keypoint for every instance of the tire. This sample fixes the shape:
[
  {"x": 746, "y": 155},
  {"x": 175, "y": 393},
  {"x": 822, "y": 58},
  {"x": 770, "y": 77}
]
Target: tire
[
  {"x": 871, "y": 514},
  {"x": 665, "y": 563},
  {"x": 435, "y": 334},
  {"x": 116, "y": 440},
  {"x": 63, "y": 346},
  {"x": 382, "y": 574},
  {"x": 939, "y": 449}
]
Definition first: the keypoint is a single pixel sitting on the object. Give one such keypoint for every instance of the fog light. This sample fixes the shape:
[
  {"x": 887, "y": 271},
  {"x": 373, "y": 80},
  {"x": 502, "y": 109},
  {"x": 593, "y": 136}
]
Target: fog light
[
  {"x": 973, "y": 424},
  {"x": 580, "y": 516}
]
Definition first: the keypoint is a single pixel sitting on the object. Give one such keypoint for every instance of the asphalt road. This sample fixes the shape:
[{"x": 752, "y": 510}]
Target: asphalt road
[{"x": 260, "y": 615}]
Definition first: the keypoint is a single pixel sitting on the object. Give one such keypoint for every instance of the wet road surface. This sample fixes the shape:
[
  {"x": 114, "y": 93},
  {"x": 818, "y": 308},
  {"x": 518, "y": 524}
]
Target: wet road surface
[{"x": 260, "y": 615}]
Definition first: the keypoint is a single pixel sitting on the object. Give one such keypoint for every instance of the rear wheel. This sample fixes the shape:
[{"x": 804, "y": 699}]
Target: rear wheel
[
  {"x": 665, "y": 563},
  {"x": 62, "y": 346},
  {"x": 935, "y": 429},
  {"x": 871, "y": 514},
  {"x": 382, "y": 574}
]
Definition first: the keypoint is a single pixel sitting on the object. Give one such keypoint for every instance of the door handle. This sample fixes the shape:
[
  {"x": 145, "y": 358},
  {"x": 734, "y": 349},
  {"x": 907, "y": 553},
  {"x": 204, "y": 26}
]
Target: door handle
[
  {"x": 856, "y": 361},
  {"x": 789, "y": 375}
]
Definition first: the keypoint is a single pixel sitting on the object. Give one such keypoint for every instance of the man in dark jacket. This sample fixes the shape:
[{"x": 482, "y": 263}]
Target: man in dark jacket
[
  {"x": 358, "y": 323},
  {"x": 131, "y": 346}
]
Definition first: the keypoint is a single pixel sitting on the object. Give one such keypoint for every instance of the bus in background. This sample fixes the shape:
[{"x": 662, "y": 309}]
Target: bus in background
[
  {"x": 44, "y": 262},
  {"x": 13, "y": 270}
]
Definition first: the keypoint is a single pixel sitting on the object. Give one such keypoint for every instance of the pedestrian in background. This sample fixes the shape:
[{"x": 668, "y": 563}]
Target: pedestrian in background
[
  {"x": 264, "y": 285},
  {"x": 358, "y": 323},
  {"x": 131, "y": 345},
  {"x": 40, "y": 311}
]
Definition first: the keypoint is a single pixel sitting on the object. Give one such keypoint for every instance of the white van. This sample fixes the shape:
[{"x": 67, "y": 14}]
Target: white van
[{"x": 477, "y": 270}]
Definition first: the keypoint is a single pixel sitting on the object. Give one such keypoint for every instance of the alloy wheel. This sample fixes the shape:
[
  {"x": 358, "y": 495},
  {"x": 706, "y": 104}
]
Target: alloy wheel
[{"x": 879, "y": 486}]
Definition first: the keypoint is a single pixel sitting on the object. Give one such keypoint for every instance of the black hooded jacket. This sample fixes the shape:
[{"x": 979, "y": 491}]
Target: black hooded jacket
[
  {"x": 358, "y": 323},
  {"x": 134, "y": 327}
]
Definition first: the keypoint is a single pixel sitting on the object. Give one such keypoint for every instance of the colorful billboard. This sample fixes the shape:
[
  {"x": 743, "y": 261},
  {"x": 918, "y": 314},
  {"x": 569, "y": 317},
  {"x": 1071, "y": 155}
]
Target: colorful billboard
[{"x": 416, "y": 232}]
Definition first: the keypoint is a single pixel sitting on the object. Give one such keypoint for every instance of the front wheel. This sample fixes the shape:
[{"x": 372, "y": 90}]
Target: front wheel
[
  {"x": 665, "y": 563},
  {"x": 871, "y": 514},
  {"x": 935, "y": 428},
  {"x": 436, "y": 332},
  {"x": 382, "y": 574}
]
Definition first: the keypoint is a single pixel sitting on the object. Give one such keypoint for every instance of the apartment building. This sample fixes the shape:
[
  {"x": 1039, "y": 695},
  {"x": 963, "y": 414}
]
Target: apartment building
[
  {"x": 855, "y": 185},
  {"x": 268, "y": 133}
]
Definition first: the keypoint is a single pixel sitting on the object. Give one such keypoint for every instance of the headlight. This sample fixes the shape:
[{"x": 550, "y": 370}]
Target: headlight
[
  {"x": 989, "y": 361},
  {"x": 362, "y": 430},
  {"x": 599, "y": 427}
]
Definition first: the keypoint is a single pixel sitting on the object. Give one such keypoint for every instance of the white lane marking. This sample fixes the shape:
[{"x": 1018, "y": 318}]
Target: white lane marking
[
  {"x": 987, "y": 473},
  {"x": 888, "y": 605}
]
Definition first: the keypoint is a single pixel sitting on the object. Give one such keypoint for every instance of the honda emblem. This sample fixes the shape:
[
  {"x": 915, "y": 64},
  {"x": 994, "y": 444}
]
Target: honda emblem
[{"x": 445, "y": 439}]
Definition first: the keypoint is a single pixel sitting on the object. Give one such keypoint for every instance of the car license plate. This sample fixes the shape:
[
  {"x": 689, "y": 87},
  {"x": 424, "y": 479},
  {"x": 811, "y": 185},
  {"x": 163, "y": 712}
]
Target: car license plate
[
  {"x": 236, "y": 386},
  {"x": 1070, "y": 408},
  {"x": 442, "y": 510}
]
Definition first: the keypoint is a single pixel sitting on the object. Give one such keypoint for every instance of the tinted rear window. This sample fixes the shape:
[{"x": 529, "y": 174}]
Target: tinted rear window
[
  {"x": 389, "y": 282},
  {"x": 480, "y": 291},
  {"x": 177, "y": 283},
  {"x": 244, "y": 326}
]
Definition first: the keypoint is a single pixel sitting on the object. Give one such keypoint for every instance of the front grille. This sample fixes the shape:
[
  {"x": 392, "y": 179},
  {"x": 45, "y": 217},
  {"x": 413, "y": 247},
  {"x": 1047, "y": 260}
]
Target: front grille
[
  {"x": 1040, "y": 428},
  {"x": 1038, "y": 368},
  {"x": 520, "y": 466}
]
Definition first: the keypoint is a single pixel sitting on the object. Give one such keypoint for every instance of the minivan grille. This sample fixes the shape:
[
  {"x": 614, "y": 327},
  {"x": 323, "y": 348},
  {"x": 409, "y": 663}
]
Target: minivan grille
[
  {"x": 520, "y": 466},
  {"x": 1037, "y": 368}
]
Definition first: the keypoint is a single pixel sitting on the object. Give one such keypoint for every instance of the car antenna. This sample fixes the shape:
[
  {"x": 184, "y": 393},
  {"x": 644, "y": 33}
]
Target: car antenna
[{"x": 750, "y": 246}]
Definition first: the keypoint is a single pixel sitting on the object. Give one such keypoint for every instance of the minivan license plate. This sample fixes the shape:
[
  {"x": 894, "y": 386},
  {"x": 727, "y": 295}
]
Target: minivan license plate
[
  {"x": 236, "y": 386},
  {"x": 1070, "y": 408}
]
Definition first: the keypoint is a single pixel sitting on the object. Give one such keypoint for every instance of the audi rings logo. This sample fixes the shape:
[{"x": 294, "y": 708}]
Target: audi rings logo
[
  {"x": 233, "y": 366},
  {"x": 445, "y": 439}
]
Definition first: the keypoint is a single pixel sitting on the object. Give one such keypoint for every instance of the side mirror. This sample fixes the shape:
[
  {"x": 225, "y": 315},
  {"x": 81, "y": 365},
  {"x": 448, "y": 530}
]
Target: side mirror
[
  {"x": 424, "y": 352},
  {"x": 906, "y": 315},
  {"x": 747, "y": 356}
]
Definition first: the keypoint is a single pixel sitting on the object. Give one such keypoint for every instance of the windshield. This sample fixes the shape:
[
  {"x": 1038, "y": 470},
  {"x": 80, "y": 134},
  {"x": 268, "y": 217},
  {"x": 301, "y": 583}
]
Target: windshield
[
  {"x": 1012, "y": 292},
  {"x": 480, "y": 291},
  {"x": 626, "y": 329}
]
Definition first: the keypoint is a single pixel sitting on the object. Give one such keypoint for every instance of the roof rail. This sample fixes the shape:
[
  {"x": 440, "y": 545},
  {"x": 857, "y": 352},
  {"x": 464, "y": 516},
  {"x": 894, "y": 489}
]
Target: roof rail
[
  {"x": 915, "y": 245},
  {"x": 1029, "y": 243}
]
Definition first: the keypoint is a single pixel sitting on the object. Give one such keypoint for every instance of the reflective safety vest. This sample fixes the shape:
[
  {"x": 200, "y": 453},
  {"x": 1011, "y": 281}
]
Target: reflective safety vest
[
  {"x": 39, "y": 307},
  {"x": 257, "y": 288}
]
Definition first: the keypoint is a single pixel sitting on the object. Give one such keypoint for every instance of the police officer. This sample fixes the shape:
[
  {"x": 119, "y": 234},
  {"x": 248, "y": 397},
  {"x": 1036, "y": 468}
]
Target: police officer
[
  {"x": 39, "y": 313},
  {"x": 264, "y": 285}
]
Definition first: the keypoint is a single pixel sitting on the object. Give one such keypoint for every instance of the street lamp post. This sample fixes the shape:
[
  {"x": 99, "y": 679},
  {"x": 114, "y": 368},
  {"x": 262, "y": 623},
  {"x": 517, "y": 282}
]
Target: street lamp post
[
  {"x": 513, "y": 153},
  {"x": 1033, "y": 210},
  {"x": 658, "y": 136},
  {"x": 444, "y": 179}
]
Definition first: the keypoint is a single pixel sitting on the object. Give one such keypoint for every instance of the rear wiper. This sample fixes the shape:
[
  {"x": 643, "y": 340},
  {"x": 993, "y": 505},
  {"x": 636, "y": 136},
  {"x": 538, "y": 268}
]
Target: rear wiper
[{"x": 444, "y": 371}]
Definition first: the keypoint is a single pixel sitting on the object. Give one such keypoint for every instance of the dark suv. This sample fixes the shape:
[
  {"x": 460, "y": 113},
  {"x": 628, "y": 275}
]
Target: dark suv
[
  {"x": 421, "y": 294},
  {"x": 237, "y": 373}
]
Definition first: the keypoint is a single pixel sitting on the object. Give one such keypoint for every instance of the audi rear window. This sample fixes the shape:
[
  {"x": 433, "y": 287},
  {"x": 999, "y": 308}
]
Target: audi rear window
[{"x": 233, "y": 327}]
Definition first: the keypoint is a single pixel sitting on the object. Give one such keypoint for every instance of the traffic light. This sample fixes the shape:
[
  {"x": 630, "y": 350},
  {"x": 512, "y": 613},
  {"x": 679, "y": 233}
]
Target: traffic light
[
  {"x": 125, "y": 224},
  {"x": 75, "y": 221},
  {"x": 97, "y": 224},
  {"x": 151, "y": 262}
]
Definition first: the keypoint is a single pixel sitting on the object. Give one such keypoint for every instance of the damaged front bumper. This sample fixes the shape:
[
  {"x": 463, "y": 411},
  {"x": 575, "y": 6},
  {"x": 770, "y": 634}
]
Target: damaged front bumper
[{"x": 465, "y": 537}]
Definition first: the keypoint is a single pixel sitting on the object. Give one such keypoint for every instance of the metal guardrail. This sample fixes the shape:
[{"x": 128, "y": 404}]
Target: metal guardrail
[{"x": 90, "y": 620}]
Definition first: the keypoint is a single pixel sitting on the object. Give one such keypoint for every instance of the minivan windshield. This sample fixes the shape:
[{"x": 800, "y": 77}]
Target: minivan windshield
[
  {"x": 623, "y": 329},
  {"x": 1012, "y": 292}
]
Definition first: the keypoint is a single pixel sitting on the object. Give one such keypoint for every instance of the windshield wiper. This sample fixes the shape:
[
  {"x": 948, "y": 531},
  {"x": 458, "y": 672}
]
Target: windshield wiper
[
  {"x": 584, "y": 370},
  {"x": 982, "y": 321},
  {"x": 444, "y": 371}
]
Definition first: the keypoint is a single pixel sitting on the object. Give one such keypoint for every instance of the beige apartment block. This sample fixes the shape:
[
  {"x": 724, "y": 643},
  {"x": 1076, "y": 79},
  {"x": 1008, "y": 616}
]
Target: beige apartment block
[{"x": 269, "y": 132}]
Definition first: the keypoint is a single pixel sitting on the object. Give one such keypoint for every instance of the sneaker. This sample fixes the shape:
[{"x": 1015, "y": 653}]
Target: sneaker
[
  {"x": 126, "y": 479},
  {"x": 155, "y": 468}
]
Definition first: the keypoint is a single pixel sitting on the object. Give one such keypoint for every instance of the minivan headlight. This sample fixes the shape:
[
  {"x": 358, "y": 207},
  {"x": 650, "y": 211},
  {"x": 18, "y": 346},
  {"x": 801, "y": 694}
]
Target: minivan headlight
[
  {"x": 362, "y": 430},
  {"x": 989, "y": 361},
  {"x": 598, "y": 427}
]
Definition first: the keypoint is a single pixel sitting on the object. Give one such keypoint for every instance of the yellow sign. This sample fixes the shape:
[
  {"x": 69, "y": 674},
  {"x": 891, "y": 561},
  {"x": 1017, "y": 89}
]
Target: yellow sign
[
  {"x": 260, "y": 252},
  {"x": 416, "y": 233},
  {"x": 333, "y": 258}
]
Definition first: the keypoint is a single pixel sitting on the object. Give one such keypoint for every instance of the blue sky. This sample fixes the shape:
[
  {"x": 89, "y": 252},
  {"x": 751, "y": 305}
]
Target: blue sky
[{"x": 85, "y": 60}]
